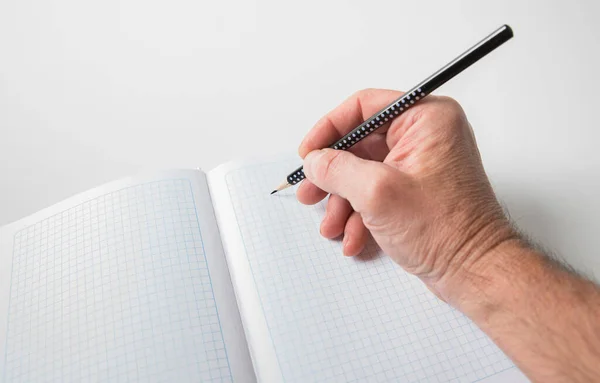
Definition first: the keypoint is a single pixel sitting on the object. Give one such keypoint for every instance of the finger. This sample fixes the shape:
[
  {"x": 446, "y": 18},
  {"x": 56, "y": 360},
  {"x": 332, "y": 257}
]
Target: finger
[
  {"x": 309, "y": 194},
  {"x": 367, "y": 185},
  {"x": 376, "y": 149},
  {"x": 336, "y": 215},
  {"x": 355, "y": 235},
  {"x": 346, "y": 117}
]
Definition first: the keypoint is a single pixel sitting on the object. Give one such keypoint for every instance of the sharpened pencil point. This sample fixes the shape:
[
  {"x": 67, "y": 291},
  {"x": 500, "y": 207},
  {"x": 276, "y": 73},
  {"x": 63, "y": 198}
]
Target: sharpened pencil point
[{"x": 284, "y": 185}]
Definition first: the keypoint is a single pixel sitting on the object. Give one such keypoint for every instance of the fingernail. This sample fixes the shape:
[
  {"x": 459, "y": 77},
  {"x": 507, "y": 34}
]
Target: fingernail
[
  {"x": 321, "y": 226},
  {"x": 311, "y": 160},
  {"x": 344, "y": 243}
]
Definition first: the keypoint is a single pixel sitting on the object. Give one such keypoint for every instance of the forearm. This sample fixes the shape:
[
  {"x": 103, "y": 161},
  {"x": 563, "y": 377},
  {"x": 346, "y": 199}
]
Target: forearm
[{"x": 546, "y": 319}]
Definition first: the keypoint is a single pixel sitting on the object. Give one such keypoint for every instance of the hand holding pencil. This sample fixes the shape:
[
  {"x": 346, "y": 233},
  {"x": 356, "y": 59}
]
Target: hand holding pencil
[
  {"x": 418, "y": 185},
  {"x": 416, "y": 182}
]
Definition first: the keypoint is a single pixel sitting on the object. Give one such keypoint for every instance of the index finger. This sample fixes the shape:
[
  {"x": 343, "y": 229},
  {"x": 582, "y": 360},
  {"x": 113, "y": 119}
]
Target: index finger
[{"x": 345, "y": 117}]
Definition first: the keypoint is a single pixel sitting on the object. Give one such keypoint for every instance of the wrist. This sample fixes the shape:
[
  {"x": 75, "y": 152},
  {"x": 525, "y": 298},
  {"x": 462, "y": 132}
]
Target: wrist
[
  {"x": 542, "y": 316},
  {"x": 481, "y": 283}
]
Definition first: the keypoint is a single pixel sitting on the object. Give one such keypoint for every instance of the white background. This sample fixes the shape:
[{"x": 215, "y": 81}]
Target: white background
[{"x": 91, "y": 91}]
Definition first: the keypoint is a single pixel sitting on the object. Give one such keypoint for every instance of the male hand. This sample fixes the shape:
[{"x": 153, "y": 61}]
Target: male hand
[
  {"x": 419, "y": 187},
  {"x": 417, "y": 184}
]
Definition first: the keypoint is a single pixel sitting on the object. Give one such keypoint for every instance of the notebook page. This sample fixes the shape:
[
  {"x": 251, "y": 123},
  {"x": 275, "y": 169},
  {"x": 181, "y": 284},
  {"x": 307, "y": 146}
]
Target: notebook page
[
  {"x": 126, "y": 282},
  {"x": 319, "y": 316}
]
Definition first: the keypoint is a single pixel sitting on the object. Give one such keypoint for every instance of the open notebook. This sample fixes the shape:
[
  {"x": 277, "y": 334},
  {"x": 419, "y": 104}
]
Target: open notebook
[{"x": 192, "y": 276}]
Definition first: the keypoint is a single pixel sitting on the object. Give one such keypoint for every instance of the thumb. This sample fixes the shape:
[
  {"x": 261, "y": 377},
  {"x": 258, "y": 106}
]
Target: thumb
[{"x": 363, "y": 183}]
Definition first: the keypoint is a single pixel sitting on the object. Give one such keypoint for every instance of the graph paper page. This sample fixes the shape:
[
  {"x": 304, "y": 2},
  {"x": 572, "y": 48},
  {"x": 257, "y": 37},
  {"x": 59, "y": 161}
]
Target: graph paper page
[
  {"x": 317, "y": 316},
  {"x": 127, "y": 282}
]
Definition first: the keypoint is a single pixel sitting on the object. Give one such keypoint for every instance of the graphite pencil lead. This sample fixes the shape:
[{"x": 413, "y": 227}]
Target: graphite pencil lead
[{"x": 284, "y": 185}]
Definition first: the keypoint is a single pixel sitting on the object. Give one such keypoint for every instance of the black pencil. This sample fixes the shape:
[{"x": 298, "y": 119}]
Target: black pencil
[{"x": 396, "y": 108}]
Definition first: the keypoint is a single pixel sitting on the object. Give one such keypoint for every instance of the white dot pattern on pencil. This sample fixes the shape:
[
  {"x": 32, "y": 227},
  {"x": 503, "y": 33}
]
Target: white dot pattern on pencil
[
  {"x": 338, "y": 319},
  {"x": 115, "y": 289},
  {"x": 296, "y": 177}
]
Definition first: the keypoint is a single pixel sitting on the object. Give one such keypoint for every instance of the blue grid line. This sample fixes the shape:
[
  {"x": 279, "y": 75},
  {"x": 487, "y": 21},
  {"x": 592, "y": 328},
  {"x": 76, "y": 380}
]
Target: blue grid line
[
  {"x": 495, "y": 373},
  {"x": 269, "y": 271},
  {"x": 253, "y": 277},
  {"x": 119, "y": 246},
  {"x": 209, "y": 277},
  {"x": 12, "y": 267}
]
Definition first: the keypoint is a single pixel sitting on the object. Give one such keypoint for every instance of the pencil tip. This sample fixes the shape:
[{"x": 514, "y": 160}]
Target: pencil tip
[{"x": 284, "y": 185}]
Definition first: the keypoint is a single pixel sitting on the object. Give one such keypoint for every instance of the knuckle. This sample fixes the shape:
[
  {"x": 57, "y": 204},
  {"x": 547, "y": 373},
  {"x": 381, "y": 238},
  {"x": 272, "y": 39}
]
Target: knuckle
[
  {"x": 330, "y": 164},
  {"x": 447, "y": 113},
  {"x": 381, "y": 188},
  {"x": 364, "y": 92},
  {"x": 445, "y": 105},
  {"x": 452, "y": 109},
  {"x": 450, "y": 103}
]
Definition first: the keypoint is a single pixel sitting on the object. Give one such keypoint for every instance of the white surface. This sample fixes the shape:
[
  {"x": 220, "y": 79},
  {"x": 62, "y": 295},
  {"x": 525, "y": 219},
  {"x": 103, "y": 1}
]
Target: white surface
[
  {"x": 316, "y": 316},
  {"x": 77, "y": 311},
  {"x": 92, "y": 91}
]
